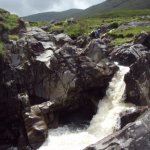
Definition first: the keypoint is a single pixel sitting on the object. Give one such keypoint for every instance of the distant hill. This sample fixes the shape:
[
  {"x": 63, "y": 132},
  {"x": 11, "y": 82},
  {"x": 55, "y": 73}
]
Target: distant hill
[
  {"x": 106, "y": 6},
  {"x": 113, "y": 5},
  {"x": 53, "y": 15}
]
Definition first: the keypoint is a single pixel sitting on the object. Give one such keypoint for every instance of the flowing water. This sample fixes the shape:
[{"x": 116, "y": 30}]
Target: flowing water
[{"x": 105, "y": 122}]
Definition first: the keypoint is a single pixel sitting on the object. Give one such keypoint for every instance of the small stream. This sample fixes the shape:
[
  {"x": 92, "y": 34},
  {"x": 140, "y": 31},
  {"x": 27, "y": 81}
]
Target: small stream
[{"x": 105, "y": 122}]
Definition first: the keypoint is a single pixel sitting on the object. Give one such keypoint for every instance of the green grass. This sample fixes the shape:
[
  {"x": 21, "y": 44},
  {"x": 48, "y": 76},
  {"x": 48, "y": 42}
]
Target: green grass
[
  {"x": 75, "y": 30},
  {"x": 2, "y": 49},
  {"x": 37, "y": 24},
  {"x": 120, "y": 36},
  {"x": 125, "y": 13},
  {"x": 120, "y": 41},
  {"x": 56, "y": 28},
  {"x": 85, "y": 25},
  {"x": 130, "y": 32},
  {"x": 10, "y": 21}
]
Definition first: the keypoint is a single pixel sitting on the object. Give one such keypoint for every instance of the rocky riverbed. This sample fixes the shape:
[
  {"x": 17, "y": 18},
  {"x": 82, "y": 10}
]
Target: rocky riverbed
[{"x": 50, "y": 79}]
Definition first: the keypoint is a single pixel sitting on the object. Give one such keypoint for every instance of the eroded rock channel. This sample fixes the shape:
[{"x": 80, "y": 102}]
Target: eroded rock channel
[{"x": 50, "y": 80}]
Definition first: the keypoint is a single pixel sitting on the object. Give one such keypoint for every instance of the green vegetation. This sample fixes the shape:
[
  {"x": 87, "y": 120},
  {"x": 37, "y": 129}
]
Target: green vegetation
[
  {"x": 117, "y": 5},
  {"x": 9, "y": 21},
  {"x": 106, "y": 7},
  {"x": 120, "y": 41},
  {"x": 37, "y": 24},
  {"x": 114, "y": 19},
  {"x": 13, "y": 37},
  {"x": 48, "y": 16},
  {"x": 56, "y": 28},
  {"x": 85, "y": 25},
  {"x": 2, "y": 49},
  {"x": 130, "y": 32},
  {"x": 125, "y": 13},
  {"x": 75, "y": 30},
  {"x": 121, "y": 36}
]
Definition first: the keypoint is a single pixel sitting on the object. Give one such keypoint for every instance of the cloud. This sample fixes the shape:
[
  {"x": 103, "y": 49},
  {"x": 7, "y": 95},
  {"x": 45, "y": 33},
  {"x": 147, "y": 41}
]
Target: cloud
[{"x": 27, "y": 7}]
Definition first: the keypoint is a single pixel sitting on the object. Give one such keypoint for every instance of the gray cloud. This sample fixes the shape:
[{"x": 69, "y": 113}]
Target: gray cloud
[{"x": 27, "y": 7}]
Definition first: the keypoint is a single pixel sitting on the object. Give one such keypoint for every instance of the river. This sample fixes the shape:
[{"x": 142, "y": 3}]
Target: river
[{"x": 105, "y": 122}]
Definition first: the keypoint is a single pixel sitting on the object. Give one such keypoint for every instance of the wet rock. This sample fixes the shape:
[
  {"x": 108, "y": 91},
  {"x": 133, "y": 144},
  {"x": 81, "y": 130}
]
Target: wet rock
[
  {"x": 143, "y": 38},
  {"x": 96, "y": 50},
  {"x": 138, "y": 82},
  {"x": 54, "y": 72},
  {"x": 135, "y": 135},
  {"x": 21, "y": 28},
  {"x": 61, "y": 39},
  {"x": 131, "y": 115},
  {"x": 59, "y": 74},
  {"x": 10, "y": 108},
  {"x": 36, "y": 128},
  {"x": 3, "y": 33},
  {"x": 82, "y": 41},
  {"x": 42, "y": 36},
  {"x": 127, "y": 54}
]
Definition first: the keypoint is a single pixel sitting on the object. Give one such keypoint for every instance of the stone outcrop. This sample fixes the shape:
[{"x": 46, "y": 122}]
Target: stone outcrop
[
  {"x": 135, "y": 135},
  {"x": 138, "y": 82},
  {"x": 143, "y": 38},
  {"x": 131, "y": 115},
  {"x": 50, "y": 77},
  {"x": 3, "y": 33},
  {"x": 128, "y": 54},
  {"x": 134, "y": 24}
]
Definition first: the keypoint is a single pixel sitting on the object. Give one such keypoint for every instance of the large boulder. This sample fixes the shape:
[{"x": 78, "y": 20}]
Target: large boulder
[
  {"x": 129, "y": 116},
  {"x": 134, "y": 136},
  {"x": 138, "y": 82},
  {"x": 96, "y": 50},
  {"x": 11, "y": 126},
  {"x": 36, "y": 128},
  {"x": 61, "y": 73},
  {"x": 49, "y": 69},
  {"x": 127, "y": 54},
  {"x": 143, "y": 38}
]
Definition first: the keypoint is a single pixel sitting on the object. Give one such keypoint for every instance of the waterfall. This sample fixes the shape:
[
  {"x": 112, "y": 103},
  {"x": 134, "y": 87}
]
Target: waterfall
[{"x": 105, "y": 122}]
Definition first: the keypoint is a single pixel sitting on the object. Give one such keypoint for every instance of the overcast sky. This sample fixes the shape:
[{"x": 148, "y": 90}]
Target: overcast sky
[{"x": 27, "y": 7}]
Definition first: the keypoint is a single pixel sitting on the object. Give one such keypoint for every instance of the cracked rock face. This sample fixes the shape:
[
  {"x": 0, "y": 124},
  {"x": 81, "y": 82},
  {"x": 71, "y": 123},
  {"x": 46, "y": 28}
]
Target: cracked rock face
[
  {"x": 50, "y": 76},
  {"x": 56, "y": 73},
  {"x": 128, "y": 54},
  {"x": 138, "y": 82},
  {"x": 134, "y": 136}
]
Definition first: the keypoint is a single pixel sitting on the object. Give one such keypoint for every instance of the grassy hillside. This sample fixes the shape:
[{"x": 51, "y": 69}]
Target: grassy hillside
[
  {"x": 105, "y": 7},
  {"x": 113, "y": 5},
  {"x": 8, "y": 22},
  {"x": 118, "y": 36},
  {"x": 52, "y": 15}
]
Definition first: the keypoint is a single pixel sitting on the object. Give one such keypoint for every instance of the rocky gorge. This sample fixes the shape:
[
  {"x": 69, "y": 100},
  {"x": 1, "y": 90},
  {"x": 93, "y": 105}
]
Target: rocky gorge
[{"x": 48, "y": 79}]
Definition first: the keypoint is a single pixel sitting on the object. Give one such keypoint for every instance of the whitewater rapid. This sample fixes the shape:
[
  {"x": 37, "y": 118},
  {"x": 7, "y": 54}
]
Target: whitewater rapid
[{"x": 105, "y": 122}]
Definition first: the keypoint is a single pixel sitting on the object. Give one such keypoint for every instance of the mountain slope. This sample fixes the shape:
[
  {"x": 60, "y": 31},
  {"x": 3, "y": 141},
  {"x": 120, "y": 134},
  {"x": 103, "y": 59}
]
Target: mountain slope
[
  {"x": 52, "y": 15},
  {"x": 112, "y": 5},
  {"x": 106, "y": 6}
]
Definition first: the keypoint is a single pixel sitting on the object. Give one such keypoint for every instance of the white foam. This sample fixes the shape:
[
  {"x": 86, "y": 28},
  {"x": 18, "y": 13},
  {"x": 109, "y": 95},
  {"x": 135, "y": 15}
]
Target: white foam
[{"x": 103, "y": 123}]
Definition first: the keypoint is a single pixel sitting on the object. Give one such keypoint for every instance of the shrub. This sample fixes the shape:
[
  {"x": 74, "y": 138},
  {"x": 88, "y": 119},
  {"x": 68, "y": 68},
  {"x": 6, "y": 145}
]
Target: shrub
[{"x": 113, "y": 25}]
